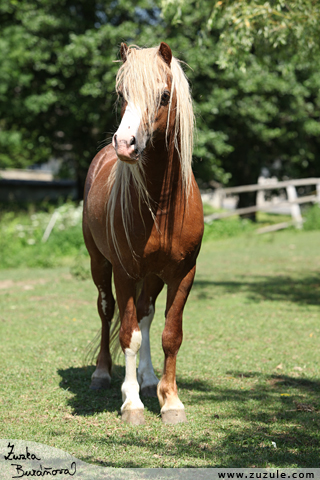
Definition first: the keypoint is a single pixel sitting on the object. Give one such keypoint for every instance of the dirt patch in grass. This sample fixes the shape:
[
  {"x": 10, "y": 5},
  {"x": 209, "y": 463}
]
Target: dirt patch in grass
[
  {"x": 28, "y": 284},
  {"x": 6, "y": 284}
]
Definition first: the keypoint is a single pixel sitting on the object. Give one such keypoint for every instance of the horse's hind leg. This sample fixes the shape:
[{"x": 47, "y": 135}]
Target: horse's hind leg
[
  {"x": 172, "y": 409},
  {"x": 101, "y": 270},
  {"x": 147, "y": 379}
]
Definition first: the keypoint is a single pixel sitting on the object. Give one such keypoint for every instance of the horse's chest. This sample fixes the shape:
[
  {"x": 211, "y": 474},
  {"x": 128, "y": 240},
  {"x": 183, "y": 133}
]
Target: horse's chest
[{"x": 168, "y": 250}]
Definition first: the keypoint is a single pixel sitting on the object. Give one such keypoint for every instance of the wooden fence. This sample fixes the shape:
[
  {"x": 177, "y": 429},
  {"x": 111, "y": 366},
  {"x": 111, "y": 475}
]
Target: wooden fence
[
  {"x": 34, "y": 186},
  {"x": 289, "y": 200}
]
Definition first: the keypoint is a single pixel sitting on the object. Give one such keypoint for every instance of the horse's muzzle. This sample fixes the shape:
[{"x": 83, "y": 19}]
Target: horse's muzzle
[{"x": 126, "y": 150}]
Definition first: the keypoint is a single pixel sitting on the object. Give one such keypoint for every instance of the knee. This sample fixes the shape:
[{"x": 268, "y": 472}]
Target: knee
[
  {"x": 130, "y": 341},
  {"x": 171, "y": 341}
]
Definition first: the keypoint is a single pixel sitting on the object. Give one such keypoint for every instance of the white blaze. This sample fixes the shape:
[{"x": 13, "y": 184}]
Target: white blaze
[{"x": 130, "y": 123}]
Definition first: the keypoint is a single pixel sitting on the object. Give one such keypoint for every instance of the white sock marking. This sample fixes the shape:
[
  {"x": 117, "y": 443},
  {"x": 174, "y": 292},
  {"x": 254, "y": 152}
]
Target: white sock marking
[{"x": 130, "y": 386}]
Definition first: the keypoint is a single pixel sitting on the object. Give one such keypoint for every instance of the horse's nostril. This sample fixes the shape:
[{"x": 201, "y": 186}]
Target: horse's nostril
[
  {"x": 133, "y": 141},
  {"x": 114, "y": 140}
]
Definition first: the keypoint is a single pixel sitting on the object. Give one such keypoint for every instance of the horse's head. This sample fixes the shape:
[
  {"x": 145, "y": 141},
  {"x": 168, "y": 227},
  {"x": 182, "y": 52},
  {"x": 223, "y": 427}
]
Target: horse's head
[{"x": 145, "y": 85}]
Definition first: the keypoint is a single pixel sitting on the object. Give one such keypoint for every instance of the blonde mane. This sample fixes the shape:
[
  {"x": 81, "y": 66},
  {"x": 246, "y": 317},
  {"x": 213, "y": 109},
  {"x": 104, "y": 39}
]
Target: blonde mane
[{"x": 143, "y": 77}]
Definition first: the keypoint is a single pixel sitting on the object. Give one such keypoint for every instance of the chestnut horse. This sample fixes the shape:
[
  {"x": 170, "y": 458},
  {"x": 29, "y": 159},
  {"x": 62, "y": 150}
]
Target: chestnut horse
[{"x": 143, "y": 220}]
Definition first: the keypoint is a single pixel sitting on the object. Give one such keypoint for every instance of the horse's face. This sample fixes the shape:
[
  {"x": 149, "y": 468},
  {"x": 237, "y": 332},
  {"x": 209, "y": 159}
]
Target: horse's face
[{"x": 138, "y": 128}]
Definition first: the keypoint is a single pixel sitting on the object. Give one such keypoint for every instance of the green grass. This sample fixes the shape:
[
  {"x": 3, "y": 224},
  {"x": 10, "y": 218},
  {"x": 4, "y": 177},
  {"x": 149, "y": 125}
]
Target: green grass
[
  {"x": 248, "y": 369},
  {"x": 312, "y": 218}
]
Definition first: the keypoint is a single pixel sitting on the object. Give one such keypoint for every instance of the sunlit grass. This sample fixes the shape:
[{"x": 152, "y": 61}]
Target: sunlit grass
[{"x": 248, "y": 369}]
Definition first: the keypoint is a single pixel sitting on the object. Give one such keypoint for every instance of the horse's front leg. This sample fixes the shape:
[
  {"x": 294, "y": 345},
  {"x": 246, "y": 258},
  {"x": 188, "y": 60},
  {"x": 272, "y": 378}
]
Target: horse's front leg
[
  {"x": 172, "y": 409},
  {"x": 130, "y": 341},
  {"x": 147, "y": 379}
]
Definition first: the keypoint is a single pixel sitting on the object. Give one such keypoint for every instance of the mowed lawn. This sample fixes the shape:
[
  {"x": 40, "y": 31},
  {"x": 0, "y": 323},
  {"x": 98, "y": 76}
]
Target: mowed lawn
[{"x": 248, "y": 369}]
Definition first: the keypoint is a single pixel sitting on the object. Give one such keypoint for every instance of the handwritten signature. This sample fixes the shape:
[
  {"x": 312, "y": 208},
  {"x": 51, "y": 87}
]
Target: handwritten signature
[{"x": 41, "y": 471}]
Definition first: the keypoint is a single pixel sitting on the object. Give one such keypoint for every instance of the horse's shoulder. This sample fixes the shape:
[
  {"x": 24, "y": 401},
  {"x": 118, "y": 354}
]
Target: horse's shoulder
[{"x": 104, "y": 159}]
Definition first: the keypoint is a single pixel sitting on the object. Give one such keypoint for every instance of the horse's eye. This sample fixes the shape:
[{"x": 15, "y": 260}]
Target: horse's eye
[
  {"x": 165, "y": 97},
  {"x": 120, "y": 94}
]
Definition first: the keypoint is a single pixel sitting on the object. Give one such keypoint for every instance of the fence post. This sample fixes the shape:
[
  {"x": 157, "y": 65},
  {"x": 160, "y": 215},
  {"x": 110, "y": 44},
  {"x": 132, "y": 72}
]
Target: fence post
[
  {"x": 217, "y": 199},
  {"x": 295, "y": 207},
  {"x": 318, "y": 193},
  {"x": 260, "y": 201}
]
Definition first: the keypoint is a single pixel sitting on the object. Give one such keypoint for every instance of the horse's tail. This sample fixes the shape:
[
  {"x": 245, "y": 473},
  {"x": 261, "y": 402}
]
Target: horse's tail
[
  {"x": 114, "y": 340},
  {"x": 91, "y": 349},
  {"x": 93, "y": 346}
]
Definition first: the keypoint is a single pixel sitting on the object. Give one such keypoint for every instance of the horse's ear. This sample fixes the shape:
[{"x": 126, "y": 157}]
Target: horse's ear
[
  {"x": 124, "y": 51},
  {"x": 165, "y": 53}
]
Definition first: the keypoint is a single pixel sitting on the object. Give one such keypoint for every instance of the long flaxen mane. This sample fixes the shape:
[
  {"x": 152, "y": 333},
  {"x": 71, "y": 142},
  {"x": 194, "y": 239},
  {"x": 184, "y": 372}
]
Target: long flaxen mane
[{"x": 142, "y": 77}]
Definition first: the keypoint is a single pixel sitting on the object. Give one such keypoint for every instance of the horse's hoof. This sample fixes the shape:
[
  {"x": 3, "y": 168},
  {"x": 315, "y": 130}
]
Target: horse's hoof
[
  {"x": 149, "y": 391},
  {"x": 134, "y": 417},
  {"x": 100, "y": 383},
  {"x": 174, "y": 416}
]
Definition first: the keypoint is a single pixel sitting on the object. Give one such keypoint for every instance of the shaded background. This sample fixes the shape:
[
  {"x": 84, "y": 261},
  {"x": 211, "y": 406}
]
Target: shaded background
[{"x": 253, "y": 73}]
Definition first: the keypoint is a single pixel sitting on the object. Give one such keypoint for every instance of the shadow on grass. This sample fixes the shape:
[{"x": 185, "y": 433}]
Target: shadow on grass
[
  {"x": 86, "y": 402},
  {"x": 274, "y": 421},
  {"x": 305, "y": 290},
  {"x": 275, "y": 408}
]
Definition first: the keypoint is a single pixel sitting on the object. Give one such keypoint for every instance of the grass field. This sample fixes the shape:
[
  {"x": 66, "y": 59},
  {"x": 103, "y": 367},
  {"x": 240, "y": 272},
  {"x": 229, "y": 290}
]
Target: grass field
[{"x": 248, "y": 368}]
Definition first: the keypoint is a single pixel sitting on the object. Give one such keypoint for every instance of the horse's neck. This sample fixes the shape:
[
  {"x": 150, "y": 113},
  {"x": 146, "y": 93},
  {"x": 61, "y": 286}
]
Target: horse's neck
[{"x": 163, "y": 174}]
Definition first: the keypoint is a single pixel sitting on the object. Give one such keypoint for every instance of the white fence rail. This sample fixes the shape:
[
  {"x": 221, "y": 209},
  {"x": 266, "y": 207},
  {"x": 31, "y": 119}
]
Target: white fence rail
[{"x": 289, "y": 201}]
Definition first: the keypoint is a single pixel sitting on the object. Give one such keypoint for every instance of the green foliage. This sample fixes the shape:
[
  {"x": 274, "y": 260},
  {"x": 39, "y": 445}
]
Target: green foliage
[
  {"x": 208, "y": 209},
  {"x": 240, "y": 25},
  {"x": 57, "y": 75},
  {"x": 230, "y": 227},
  {"x": 254, "y": 77},
  {"x": 80, "y": 267},
  {"x": 255, "y": 84},
  {"x": 312, "y": 218},
  {"x": 21, "y": 238}
]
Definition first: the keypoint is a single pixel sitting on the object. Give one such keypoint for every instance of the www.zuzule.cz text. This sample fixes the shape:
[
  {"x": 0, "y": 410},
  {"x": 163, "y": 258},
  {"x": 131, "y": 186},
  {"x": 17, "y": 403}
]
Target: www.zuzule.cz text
[{"x": 268, "y": 475}]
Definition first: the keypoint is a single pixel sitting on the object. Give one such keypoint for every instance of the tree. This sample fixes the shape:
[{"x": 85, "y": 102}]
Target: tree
[
  {"x": 57, "y": 76},
  {"x": 254, "y": 77},
  {"x": 255, "y": 83}
]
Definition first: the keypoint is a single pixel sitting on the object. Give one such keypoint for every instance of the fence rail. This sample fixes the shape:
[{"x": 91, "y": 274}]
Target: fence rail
[
  {"x": 292, "y": 201},
  {"x": 272, "y": 185}
]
